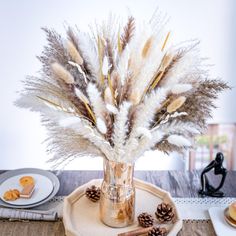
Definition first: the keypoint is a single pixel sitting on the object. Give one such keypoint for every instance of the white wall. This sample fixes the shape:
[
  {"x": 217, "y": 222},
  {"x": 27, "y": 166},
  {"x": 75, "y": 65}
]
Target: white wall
[{"x": 21, "y": 39}]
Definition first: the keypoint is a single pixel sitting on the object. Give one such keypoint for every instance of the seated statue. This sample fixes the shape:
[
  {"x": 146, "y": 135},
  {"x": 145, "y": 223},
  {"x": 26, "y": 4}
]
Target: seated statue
[{"x": 207, "y": 189}]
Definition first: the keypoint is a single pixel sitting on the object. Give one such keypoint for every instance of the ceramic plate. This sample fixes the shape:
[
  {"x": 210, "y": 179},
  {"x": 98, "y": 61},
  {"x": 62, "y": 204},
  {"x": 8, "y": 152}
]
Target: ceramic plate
[
  {"x": 30, "y": 171},
  {"x": 228, "y": 219},
  {"x": 43, "y": 188}
]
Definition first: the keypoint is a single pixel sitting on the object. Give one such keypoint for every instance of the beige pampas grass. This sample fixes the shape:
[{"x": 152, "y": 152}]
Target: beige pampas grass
[
  {"x": 74, "y": 53},
  {"x": 164, "y": 64},
  {"x": 176, "y": 104},
  {"x": 147, "y": 47},
  {"x": 81, "y": 96},
  {"x": 62, "y": 73},
  {"x": 120, "y": 93}
]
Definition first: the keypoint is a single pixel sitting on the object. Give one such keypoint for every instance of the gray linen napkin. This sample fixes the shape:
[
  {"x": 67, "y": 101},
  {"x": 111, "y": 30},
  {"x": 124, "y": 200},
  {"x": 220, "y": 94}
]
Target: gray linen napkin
[{"x": 49, "y": 211}]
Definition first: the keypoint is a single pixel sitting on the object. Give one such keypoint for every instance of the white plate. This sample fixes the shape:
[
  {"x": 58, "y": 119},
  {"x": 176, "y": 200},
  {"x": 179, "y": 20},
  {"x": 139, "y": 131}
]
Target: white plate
[
  {"x": 219, "y": 223},
  {"x": 8, "y": 174},
  {"x": 43, "y": 188}
]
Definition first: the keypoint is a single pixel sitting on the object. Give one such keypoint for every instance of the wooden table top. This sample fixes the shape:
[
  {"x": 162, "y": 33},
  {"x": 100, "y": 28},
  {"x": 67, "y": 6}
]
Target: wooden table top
[{"x": 178, "y": 183}]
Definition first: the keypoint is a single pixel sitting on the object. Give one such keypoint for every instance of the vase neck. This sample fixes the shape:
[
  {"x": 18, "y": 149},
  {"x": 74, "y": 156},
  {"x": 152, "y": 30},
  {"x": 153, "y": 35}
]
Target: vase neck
[{"x": 116, "y": 173}]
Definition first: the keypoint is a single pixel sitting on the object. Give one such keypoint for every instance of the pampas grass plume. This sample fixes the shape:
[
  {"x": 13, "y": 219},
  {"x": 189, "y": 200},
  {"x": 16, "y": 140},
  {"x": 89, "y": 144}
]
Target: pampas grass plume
[
  {"x": 179, "y": 140},
  {"x": 62, "y": 73},
  {"x": 74, "y": 53},
  {"x": 101, "y": 125}
]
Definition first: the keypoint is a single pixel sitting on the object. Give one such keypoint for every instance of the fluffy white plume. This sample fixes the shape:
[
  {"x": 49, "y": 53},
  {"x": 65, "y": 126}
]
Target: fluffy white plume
[
  {"x": 179, "y": 140},
  {"x": 144, "y": 144},
  {"x": 97, "y": 102},
  {"x": 144, "y": 132},
  {"x": 101, "y": 125},
  {"x": 176, "y": 127},
  {"x": 89, "y": 52},
  {"x": 123, "y": 63},
  {"x": 111, "y": 108},
  {"x": 69, "y": 121},
  {"x": 146, "y": 114},
  {"x": 120, "y": 129},
  {"x": 84, "y": 129},
  {"x": 81, "y": 96},
  {"x": 149, "y": 107},
  {"x": 185, "y": 66},
  {"x": 105, "y": 66},
  {"x": 149, "y": 69},
  {"x": 181, "y": 88}
]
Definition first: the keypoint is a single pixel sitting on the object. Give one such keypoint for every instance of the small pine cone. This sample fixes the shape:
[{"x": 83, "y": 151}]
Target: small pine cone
[
  {"x": 145, "y": 220},
  {"x": 164, "y": 212},
  {"x": 157, "y": 231},
  {"x": 93, "y": 193}
]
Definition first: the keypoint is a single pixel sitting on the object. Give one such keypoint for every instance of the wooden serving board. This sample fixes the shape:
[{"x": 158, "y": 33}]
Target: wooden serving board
[{"x": 81, "y": 216}]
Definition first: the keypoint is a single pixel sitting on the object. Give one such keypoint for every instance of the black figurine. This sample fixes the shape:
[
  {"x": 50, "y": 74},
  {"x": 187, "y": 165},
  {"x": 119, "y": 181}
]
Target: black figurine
[{"x": 217, "y": 165}]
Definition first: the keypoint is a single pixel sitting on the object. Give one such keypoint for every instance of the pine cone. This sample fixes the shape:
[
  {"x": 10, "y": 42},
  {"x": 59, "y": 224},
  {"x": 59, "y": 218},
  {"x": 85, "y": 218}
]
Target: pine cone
[
  {"x": 157, "y": 231},
  {"x": 93, "y": 193},
  {"x": 164, "y": 212},
  {"x": 145, "y": 220}
]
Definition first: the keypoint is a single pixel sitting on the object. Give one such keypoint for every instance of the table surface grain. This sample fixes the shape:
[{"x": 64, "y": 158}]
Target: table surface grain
[{"x": 178, "y": 183}]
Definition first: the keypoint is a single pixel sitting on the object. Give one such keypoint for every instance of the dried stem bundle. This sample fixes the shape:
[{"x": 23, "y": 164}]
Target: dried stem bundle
[{"x": 120, "y": 95}]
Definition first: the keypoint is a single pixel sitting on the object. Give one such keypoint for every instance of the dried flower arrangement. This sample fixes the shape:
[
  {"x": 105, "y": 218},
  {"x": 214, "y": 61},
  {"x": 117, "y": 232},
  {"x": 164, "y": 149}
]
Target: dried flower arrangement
[{"x": 118, "y": 93}]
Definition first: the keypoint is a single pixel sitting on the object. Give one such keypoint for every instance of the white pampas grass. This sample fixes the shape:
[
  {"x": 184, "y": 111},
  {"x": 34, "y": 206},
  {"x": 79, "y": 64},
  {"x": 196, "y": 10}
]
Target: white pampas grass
[
  {"x": 112, "y": 109},
  {"x": 84, "y": 129},
  {"x": 149, "y": 69},
  {"x": 186, "y": 65},
  {"x": 149, "y": 107},
  {"x": 146, "y": 114},
  {"x": 120, "y": 129},
  {"x": 97, "y": 102},
  {"x": 144, "y": 132},
  {"x": 89, "y": 52},
  {"x": 178, "y": 140},
  {"x": 177, "y": 127},
  {"x": 101, "y": 125},
  {"x": 123, "y": 64},
  {"x": 74, "y": 53},
  {"x": 69, "y": 121},
  {"x": 81, "y": 96},
  {"x": 62, "y": 73},
  {"x": 144, "y": 144},
  {"x": 181, "y": 88},
  {"x": 120, "y": 93},
  {"x": 105, "y": 66}
]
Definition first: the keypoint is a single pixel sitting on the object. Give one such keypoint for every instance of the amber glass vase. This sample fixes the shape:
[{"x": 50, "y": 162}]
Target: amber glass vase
[{"x": 117, "y": 203}]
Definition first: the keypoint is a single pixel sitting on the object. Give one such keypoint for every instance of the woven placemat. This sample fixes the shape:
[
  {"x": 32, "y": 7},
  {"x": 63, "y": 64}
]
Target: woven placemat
[{"x": 38, "y": 228}]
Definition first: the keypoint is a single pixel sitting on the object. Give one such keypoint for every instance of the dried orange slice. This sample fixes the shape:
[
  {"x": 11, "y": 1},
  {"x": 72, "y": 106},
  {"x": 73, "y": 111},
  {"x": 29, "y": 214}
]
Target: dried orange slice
[
  {"x": 11, "y": 195},
  {"x": 26, "y": 180}
]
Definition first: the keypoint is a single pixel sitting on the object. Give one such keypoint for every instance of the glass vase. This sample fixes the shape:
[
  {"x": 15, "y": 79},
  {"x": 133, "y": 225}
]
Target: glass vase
[{"x": 117, "y": 202}]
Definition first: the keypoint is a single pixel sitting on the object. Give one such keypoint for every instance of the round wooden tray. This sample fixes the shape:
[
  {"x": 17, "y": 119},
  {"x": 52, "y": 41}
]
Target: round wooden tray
[{"x": 81, "y": 216}]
